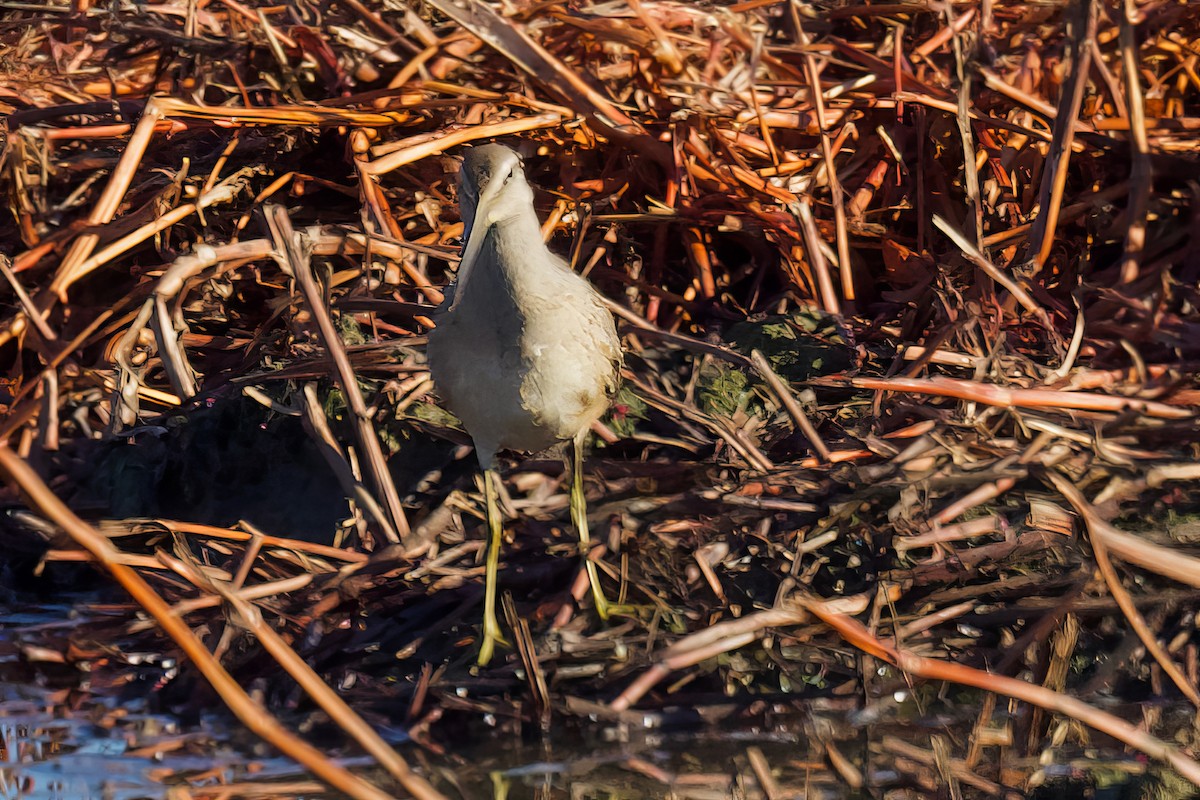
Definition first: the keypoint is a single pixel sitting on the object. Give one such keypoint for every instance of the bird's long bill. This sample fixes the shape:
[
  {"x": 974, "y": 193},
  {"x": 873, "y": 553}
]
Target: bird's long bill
[{"x": 479, "y": 231}]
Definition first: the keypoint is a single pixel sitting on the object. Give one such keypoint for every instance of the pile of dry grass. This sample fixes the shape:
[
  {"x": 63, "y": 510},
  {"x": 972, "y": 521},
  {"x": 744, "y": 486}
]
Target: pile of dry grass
[{"x": 878, "y": 407}]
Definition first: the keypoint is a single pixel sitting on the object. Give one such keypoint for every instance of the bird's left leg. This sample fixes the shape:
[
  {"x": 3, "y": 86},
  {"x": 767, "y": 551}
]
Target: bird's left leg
[{"x": 491, "y": 627}]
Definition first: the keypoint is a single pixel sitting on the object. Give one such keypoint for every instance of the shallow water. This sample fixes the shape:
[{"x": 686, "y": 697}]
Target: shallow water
[
  {"x": 66, "y": 734},
  {"x": 112, "y": 751},
  {"x": 50, "y": 750}
]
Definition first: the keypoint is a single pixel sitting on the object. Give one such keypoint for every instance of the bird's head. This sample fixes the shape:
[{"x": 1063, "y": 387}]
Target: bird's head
[
  {"x": 491, "y": 190},
  {"x": 492, "y": 187}
]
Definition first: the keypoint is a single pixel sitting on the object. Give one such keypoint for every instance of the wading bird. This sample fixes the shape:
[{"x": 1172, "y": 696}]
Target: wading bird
[{"x": 524, "y": 351}]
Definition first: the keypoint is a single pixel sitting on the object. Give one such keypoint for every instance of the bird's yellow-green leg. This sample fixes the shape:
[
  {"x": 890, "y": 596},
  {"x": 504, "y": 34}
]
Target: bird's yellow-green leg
[
  {"x": 491, "y": 627},
  {"x": 579, "y": 517}
]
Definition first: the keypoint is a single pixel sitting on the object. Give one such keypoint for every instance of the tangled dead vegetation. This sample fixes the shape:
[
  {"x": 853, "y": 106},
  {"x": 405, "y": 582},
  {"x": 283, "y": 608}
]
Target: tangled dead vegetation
[{"x": 909, "y": 294}]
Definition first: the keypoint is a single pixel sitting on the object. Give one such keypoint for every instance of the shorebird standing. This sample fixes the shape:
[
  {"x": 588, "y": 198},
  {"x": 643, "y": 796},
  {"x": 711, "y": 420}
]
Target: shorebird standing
[{"x": 524, "y": 351}]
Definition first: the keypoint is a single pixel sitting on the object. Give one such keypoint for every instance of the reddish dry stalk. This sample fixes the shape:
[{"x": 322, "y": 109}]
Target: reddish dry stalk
[
  {"x": 234, "y": 535},
  {"x": 855, "y": 634},
  {"x": 1004, "y": 397},
  {"x": 454, "y": 138}
]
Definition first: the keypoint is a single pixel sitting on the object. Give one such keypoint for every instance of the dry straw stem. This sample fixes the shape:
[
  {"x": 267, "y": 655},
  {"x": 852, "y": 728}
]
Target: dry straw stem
[
  {"x": 1099, "y": 537},
  {"x": 1136, "y": 620},
  {"x": 849, "y": 773},
  {"x": 950, "y": 533},
  {"x": 314, "y": 416},
  {"x": 722, "y": 637},
  {"x": 972, "y": 254},
  {"x": 297, "y": 251},
  {"x": 514, "y": 44},
  {"x": 816, "y": 257},
  {"x": 106, "y": 206},
  {"x": 1141, "y": 174},
  {"x": 838, "y": 197},
  {"x": 958, "y": 768},
  {"x": 1166, "y": 561},
  {"x": 258, "y": 591},
  {"x": 337, "y": 708},
  {"x": 252, "y": 714},
  {"x": 1054, "y": 179},
  {"x": 795, "y": 411}
]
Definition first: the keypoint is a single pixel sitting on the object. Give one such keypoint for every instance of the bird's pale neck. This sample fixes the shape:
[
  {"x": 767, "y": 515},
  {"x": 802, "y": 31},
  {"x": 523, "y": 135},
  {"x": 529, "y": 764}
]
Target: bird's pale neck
[
  {"x": 516, "y": 242},
  {"x": 520, "y": 228}
]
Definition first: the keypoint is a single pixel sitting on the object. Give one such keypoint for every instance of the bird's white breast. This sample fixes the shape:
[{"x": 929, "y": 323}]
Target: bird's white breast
[{"x": 529, "y": 356}]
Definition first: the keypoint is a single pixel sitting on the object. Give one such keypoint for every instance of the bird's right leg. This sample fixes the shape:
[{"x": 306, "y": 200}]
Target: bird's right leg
[
  {"x": 579, "y": 517},
  {"x": 604, "y": 607},
  {"x": 491, "y": 626}
]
